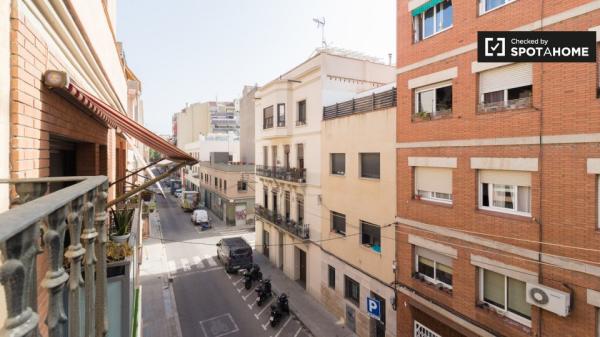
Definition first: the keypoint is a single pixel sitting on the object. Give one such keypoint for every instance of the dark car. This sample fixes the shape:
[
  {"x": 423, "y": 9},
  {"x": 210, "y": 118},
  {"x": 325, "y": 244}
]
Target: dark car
[{"x": 235, "y": 254}]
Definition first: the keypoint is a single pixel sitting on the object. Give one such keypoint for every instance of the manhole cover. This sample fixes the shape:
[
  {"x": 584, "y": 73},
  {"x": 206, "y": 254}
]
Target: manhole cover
[{"x": 219, "y": 326}]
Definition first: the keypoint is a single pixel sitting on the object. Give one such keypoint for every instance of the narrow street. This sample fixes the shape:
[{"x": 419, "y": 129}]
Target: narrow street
[{"x": 211, "y": 303}]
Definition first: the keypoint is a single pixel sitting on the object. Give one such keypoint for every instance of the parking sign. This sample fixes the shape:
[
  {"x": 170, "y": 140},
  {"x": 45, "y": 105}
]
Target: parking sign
[{"x": 374, "y": 308}]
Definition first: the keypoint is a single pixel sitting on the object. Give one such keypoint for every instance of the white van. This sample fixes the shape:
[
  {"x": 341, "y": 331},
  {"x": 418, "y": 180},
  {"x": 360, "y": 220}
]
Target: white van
[{"x": 200, "y": 217}]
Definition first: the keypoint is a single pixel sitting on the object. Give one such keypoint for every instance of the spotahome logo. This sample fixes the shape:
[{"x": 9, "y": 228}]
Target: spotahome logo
[{"x": 536, "y": 46}]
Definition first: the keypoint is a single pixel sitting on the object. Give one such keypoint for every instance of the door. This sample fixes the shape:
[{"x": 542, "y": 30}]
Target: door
[
  {"x": 266, "y": 243},
  {"x": 275, "y": 204},
  {"x": 280, "y": 250},
  {"x": 286, "y": 157},
  {"x": 302, "y": 265},
  {"x": 287, "y": 206},
  {"x": 378, "y": 326}
]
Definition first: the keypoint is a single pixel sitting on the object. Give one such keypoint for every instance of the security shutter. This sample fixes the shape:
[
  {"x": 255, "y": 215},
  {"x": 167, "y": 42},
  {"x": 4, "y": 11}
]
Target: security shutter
[
  {"x": 433, "y": 179},
  {"x": 511, "y": 76},
  {"x": 424, "y": 252},
  {"x": 518, "y": 178}
]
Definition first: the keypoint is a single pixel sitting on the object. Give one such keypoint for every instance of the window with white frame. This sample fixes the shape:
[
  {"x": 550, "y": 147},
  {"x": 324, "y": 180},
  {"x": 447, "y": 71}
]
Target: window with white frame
[
  {"x": 434, "y": 267},
  {"x": 421, "y": 330},
  {"x": 506, "y": 294},
  {"x": 505, "y": 191},
  {"x": 434, "y": 100},
  {"x": 433, "y": 184},
  {"x": 508, "y": 87},
  {"x": 488, "y": 5},
  {"x": 431, "y": 18}
]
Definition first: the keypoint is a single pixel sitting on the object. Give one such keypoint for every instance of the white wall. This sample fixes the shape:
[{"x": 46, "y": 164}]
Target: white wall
[
  {"x": 4, "y": 118},
  {"x": 206, "y": 145}
]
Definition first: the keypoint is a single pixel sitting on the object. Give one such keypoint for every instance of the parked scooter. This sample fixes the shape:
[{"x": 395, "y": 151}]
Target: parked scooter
[
  {"x": 279, "y": 309},
  {"x": 264, "y": 291},
  {"x": 252, "y": 274}
]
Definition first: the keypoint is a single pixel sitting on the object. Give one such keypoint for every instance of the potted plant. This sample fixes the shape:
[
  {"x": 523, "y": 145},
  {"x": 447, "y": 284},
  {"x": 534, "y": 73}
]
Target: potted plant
[
  {"x": 117, "y": 251},
  {"x": 121, "y": 219},
  {"x": 146, "y": 195}
]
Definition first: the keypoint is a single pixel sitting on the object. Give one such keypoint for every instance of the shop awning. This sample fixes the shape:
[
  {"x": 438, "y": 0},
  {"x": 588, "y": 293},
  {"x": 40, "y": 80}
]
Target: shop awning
[
  {"x": 425, "y": 6},
  {"x": 59, "y": 80}
]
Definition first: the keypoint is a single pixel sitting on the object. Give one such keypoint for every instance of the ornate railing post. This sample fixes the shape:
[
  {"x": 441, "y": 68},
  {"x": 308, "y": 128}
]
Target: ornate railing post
[
  {"x": 18, "y": 254},
  {"x": 100, "y": 249},
  {"x": 88, "y": 237},
  {"x": 55, "y": 278},
  {"x": 75, "y": 254}
]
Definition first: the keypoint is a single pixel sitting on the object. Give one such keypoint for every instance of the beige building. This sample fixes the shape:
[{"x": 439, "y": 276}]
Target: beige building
[
  {"x": 358, "y": 181},
  {"x": 203, "y": 118},
  {"x": 247, "y": 126},
  {"x": 288, "y": 148}
]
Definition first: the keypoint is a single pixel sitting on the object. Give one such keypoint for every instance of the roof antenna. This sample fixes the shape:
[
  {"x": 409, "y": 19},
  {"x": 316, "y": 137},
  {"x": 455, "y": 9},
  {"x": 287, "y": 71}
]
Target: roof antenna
[{"x": 321, "y": 24}]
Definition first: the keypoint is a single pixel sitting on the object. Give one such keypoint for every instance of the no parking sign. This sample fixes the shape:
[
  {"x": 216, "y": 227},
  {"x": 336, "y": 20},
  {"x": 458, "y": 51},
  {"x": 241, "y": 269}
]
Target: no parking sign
[{"x": 374, "y": 308}]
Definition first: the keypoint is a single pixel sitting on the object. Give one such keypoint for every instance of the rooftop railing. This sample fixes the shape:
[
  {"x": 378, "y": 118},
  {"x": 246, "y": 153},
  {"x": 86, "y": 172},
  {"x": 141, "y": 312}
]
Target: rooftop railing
[
  {"x": 291, "y": 174},
  {"x": 38, "y": 223},
  {"x": 300, "y": 230},
  {"x": 375, "y": 101}
]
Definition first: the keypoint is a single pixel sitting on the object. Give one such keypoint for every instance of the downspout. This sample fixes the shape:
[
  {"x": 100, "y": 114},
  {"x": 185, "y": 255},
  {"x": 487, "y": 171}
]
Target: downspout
[{"x": 541, "y": 171}]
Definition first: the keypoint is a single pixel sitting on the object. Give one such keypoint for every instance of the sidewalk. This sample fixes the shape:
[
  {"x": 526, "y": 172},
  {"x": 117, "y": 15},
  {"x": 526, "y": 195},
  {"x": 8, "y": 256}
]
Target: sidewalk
[
  {"x": 313, "y": 315},
  {"x": 159, "y": 314}
]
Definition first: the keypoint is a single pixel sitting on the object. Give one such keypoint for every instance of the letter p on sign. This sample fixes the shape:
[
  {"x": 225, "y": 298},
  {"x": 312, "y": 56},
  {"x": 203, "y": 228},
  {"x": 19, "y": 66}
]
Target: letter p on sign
[{"x": 374, "y": 308}]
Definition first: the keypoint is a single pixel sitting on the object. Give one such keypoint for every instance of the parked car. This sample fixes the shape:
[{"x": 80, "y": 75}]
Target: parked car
[
  {"x": 200, "y": 217},
  {"x": 178, "y": 193},
  {"x": 235, "y": 254}
]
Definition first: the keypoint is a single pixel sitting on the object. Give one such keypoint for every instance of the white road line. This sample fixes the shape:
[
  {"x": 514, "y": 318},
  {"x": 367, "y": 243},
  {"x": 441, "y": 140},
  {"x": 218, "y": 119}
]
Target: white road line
[
  {"x": 172, "y": 266},
  {"x": 264, "y": 326},
  {"x": 198, "y": 261},
  {"x": 298, "y": 332},
  {"x": 226, "y": 273},
  {"x": 244, "y": 297},
  {"x": 185, "y": 264},
  {"x": 283, "y": 326},
  {"x": 211, "y": 261},
  {"x": 263, "y": 309},
  {"x": 240, "y": 290},
  {"x": 238, "y": 281}
]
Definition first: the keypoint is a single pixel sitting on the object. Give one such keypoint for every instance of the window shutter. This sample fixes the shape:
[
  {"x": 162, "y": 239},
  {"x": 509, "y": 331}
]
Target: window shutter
[
  {"x": 511, "y": 76},
  {"x": 433, "y": 179},
  {"x": 519, "y": 178},
  {"x": 447, "y": 260}
]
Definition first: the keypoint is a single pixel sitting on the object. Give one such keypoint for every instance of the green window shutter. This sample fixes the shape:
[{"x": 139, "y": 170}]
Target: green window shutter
[{"x": 425, "y": 7}]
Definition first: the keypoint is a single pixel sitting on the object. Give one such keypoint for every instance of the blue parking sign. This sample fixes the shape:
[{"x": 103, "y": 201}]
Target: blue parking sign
[{"x": 374, "y": 308}]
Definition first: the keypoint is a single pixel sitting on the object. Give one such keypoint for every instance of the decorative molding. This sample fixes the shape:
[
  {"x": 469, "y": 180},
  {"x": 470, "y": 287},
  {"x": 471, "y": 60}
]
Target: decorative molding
[
  {"x": 593, "y": 297},
  {"x": 531, "y": 140},
  {"x": 504, "y": 269},
  {"x": 433, "y": 78},
  {"x": 510, "y": 164},
  {"x": 477, "y": 67},
  {"x": 445, "y": 162},
  {"x": 593, "y": 166},
  {"x": 432, "y": 245}
]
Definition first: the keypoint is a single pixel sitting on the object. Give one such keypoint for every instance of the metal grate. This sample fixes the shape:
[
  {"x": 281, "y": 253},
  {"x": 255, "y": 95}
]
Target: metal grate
[{"x": 423, "y": 331}]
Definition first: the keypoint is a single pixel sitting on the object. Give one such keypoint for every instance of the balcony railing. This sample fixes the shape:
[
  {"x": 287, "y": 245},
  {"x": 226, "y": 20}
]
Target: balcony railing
[
  {"x": 376, "y": 101},
  {"x": 512, "y": 104},
  {"x": 282, "y": 173},
  {"x": 38, "y": 223},
  {"x": 301, "y": 230}
]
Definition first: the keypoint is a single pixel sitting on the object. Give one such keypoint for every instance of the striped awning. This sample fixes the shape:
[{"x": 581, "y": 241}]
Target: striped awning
[
  {"x": 58, "y": 80},
  {"x": 425, "y": 6}
]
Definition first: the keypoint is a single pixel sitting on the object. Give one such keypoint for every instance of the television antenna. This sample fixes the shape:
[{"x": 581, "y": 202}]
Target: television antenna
[{"x": 321, "y": 24}]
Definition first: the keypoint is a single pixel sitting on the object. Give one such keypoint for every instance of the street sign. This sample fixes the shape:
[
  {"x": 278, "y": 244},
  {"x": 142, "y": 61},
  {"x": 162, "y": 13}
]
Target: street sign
[{"x": 374, "y": 308}]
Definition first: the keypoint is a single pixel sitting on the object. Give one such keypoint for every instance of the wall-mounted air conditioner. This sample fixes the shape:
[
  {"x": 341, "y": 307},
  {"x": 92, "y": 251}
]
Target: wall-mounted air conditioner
[{"x": 553, "y": 300}]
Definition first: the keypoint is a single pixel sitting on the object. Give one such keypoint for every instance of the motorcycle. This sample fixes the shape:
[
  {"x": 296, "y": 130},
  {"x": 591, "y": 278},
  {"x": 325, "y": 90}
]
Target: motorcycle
[
  {"x": 252, "y": 274},
  {"x": 264, "y": 291},
  {"x": 279, "y": 309}
]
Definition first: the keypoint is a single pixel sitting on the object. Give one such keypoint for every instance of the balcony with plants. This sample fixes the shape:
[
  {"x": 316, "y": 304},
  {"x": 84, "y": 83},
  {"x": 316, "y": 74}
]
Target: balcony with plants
[
  {"x": 298, "y": 229},
  {"x": 289, "y": 174}
]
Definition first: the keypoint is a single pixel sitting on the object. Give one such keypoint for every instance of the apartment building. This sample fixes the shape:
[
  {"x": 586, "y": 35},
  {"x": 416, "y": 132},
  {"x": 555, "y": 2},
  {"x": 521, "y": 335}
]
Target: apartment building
[
  {"x": 358, "y": 176},
  {"x": 497, "y": 185},
  {"x": 288, "y": 148},
  {"x": 203, "y": 118},
  {"x": 215, "y": 142},
  {"x": 247, "y": 129}
]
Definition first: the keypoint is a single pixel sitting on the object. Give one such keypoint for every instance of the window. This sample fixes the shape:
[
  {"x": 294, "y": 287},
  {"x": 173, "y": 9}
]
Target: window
[
  {"x": 225, "y": 185},
  {"x": 433, "y": 184},
  {"x": 331, "y": 277},
  {"x": 220, "y": 183},
  {"x": 216, "y": 182},
  {"x": 428, "y": 21},
  {"x": 338, "y": 163},
  {"x": 300, "y": 204},
  {"x": 370, "y": 235},
  {"x": 505, "y": 191},
  {"x": 351, "y": 290},
  {"x": 338, "y": 223},
  {"x": 265, "y": 156},
  {"x": 242, "y": 186},
  {"x": 266, "y": 198},
  {"x": 507, "y": 87},
  {"x": 488, "y": 5},
  {"x": 369, "y": 165},
  {"x": 423, "y": 331},
  {"x": 435, "y": 268},
  {"x": 505, "y": 294},
  {"x": 281, "y": 114},
  {"x": 434, "y": 100},
  {"x": 300, "y": 155},
  {"x": 268, "y": 117},
  {"x": 301, "y": 113}
]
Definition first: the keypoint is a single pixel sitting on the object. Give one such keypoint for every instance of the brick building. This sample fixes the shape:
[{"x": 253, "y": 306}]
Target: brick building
[{"x": 497, "y": 185}]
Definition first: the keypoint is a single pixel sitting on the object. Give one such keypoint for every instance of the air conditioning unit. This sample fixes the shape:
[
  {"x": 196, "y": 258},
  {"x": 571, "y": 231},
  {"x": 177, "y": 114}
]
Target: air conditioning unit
[{"x": 553, "y": 300}]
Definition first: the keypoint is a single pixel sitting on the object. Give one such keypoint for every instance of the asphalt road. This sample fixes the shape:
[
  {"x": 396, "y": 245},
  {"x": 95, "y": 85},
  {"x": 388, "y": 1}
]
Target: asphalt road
[{"x": 210, "y": 302}]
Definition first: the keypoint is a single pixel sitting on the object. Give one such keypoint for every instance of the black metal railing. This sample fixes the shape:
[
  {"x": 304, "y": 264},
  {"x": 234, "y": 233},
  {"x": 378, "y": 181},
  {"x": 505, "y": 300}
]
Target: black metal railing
[
  {"x": 291, "y": 174},
  {"x": 376, "y": 101},
  {"x": 519, "y": 103},
  {"x": 301, "y": 230}
]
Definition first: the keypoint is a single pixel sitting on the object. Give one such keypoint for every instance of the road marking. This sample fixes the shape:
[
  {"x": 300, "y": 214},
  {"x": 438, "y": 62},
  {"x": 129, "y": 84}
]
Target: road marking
[
  {"x": 226, "y": 273},
  {"x": 264, "y": 326},
  {"x": 263, "y": 309},
  {"x": 198, "y": 261},
  {"x": 172, "y": 266},
  {"x": 298, "y": 332},
  {"x": 240, "y": 290},
  {"x": 185, "y": 264},
  {"x": 220, "y": 327},
  {"x": 211, "y": 261},
  {"x": 244, "y": 297},
  {"x": 283, "y": 326},
  {"x": 238, "y": 281}
]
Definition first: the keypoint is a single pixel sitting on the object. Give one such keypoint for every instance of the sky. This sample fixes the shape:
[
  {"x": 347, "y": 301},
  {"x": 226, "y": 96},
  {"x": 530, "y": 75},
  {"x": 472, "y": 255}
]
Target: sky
[{"x": 187, "y": 51}]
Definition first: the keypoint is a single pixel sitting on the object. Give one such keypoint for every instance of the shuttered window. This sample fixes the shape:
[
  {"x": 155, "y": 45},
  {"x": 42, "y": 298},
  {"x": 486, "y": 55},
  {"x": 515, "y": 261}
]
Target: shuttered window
[
  {"x": 508, "y": 87},
  {"x": 505, "y": 191},
  {"x": 434, "y": 183}
]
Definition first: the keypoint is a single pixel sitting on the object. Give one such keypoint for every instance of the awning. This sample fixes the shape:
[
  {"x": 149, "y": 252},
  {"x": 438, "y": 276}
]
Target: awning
[
  {"x": 425, "y": 6},
  {"x": 59, "y": 80}
]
